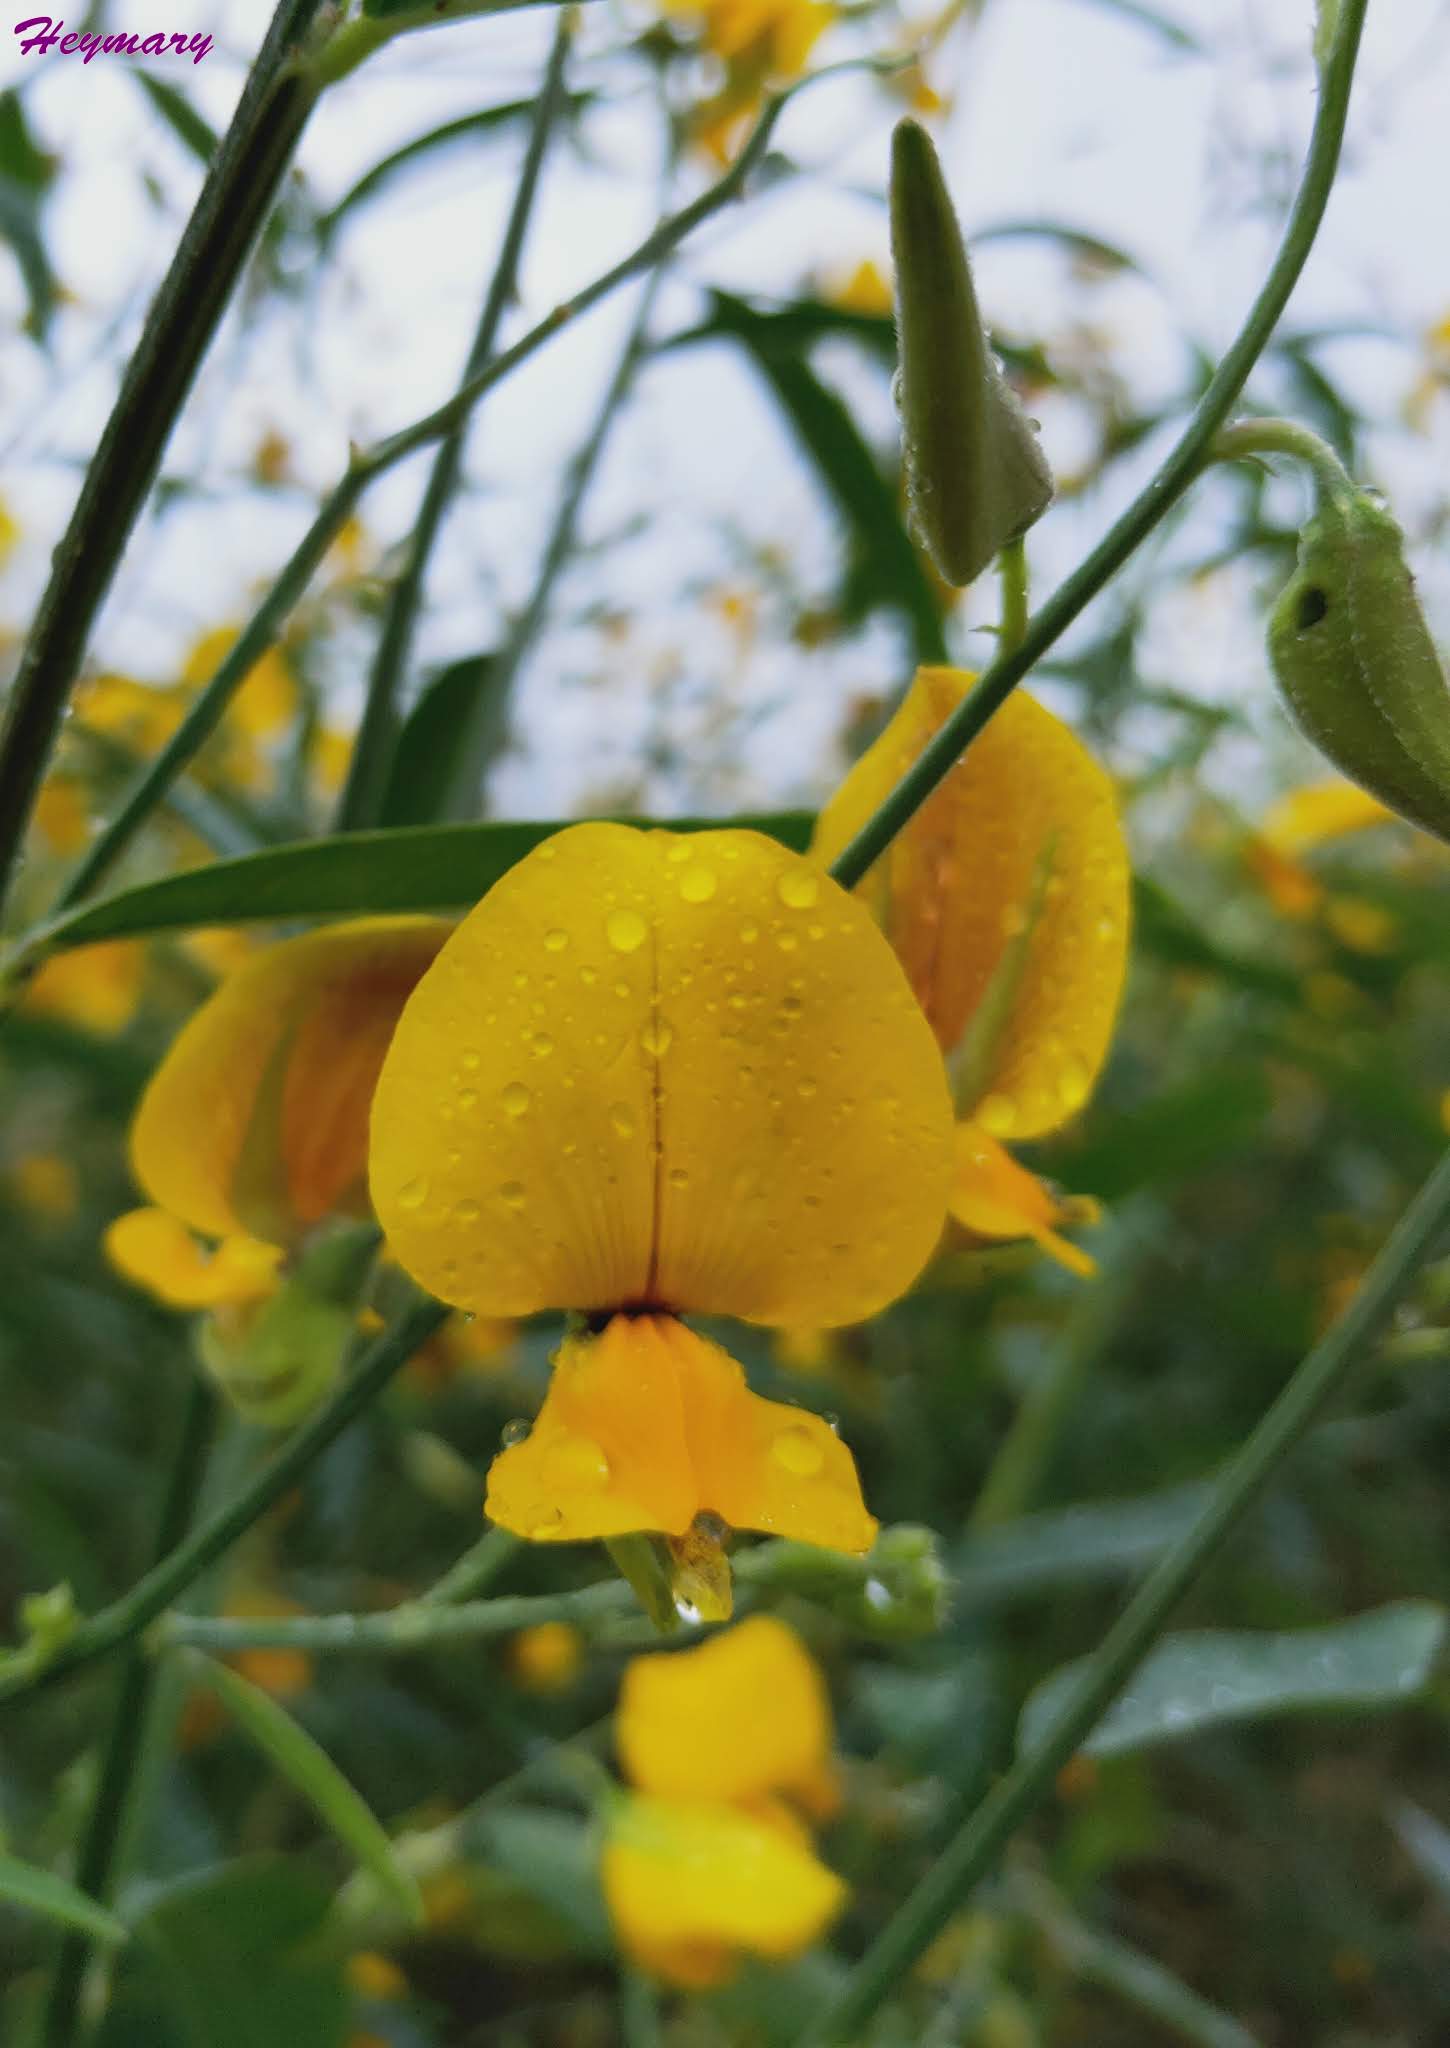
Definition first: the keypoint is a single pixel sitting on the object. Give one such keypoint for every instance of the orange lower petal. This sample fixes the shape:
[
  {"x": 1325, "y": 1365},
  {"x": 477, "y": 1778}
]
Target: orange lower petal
[
  {"x": 993, "y": 1197},
  {"x": 159, "y": 1253},
  {"x": 648, "y": 1424}
]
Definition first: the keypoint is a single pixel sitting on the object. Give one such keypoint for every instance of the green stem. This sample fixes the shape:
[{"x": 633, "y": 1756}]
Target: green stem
[
  {"x": 1012, "y": 575},
  {"x": 234, "y": 200},
  {"x": 135, "y": 1699},
  {"x": 639, "y": 2011},
  {"x": 368, "y": 769},
  {"x": 263, "y": 628},
  {"x": 478, "y": 1567},
  {"x": 492, "y": 708},
  {"x": 357, "y": 40},
  {"x": 1285, "y": 437},
  {"x": 126, "y": 1617},
  {"x": 984, "y": 1834},
  {"x": 402, "y": 1631},
  {"x": 1162, "y": 492}
]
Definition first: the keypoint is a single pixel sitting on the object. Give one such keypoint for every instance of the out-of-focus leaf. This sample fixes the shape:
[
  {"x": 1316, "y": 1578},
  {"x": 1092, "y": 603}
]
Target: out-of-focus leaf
[
  {"x": 1208, "y": 1677},
  {"x": 420, "y": 777},
  {"x": 1134, "y": 1977},
  {"x": 1071, "y": 1546},
  {"x": 1318, "y": 400},
  {"x": 1163, "y": 928},
  {"x": 1176, "y": 1135},
  {"x": 229, "y": 1955},
  {"x": 311, "y": 1770},
  {"x": 884, "y": 568},
  {"x": 1162, "y": 25},
  {"x": 436, "y": 141},
  {"x": 555, "y": 1857},
  {"x": 22, "y": 160},
  {"x": 436, "y": 867},
  {"x": 1428, "y": 1842},
  {"x": 797, "y": 327},
  {"x": 1077, "y": 242},
  {"x": 189, "y": 127},
  {"x": 40, "y": 1891}
]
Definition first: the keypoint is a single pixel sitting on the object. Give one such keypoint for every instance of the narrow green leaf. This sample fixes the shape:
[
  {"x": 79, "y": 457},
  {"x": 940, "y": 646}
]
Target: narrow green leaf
[
  {"x": 21, "y": 157},
  {"x": 436, "y": 867},
  {"x": 1098, "y": 1541},
  {"x": 186, "y": 124},
  {"x": 420, "y": 776},
  {"x": 1085, "y": 248},
  {"x": 40, "y": 1891},
  {"x": 309, "y": 1768},
  {"x": 436, "y": 142},
  {"x": 1209, "y": 1677}
]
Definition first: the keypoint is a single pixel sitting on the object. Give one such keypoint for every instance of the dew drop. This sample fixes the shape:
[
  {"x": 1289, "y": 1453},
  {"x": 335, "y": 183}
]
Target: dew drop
[
  {"x": 465, "y": 1212},
  {"x": 796, "y": 1450},
  {"x": 698, "y": 884},
  {"x": 678, "y": 1177},
  {"x": 1072, "y": 1083},
  {"x": 657, "y": 1037},
  {"x": 471, "y": 1060},
  {"x": 622, "y": 1118},
  {"x": 413, "y": 1194},
  {"x": 625, "y": 930},
  {"x": 556, "y": 940},
  {"x": 574, "y": 1464},
  {"x": 516, "y": 1098},
  {"x": 514, "y": 1194},
  {"x": 468, "y": 1098},
  {"x": 805, "y": 1089},
  {"x": 997, "y": 1114},
  {"x": 542, "y": 1045},
  {"x": 749, "y": 933},
  {"x": 515, "y": 1432},
  {"x": 798, "y": 888}
]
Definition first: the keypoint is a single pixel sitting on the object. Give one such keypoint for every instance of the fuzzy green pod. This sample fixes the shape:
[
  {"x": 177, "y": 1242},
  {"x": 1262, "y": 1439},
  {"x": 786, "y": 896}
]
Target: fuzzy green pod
[
  {"x": 975, "y": 471},
  {"x": 1354, "y": 659}
]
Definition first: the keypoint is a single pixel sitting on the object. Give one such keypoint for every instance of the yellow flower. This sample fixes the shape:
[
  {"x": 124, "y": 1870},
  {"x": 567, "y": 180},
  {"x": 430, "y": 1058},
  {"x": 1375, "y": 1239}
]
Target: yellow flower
[
  {"x": 547, "y": 1657},
  {"x": 1294, "y": 825},
  {"x": 653, "y": 1074},
  {"x": 160, "y": 1254},
  {"x": 260, "y": 711},
  {"x": 757, "y": 41},
  {"x": 255, "y": 1123},
  {"x": 143, "y": 716},
  {"x": 867, "y": 289},
  {"x": 1304, "y": 818},
  {"x": 1007, "y": 899},
  {"x": 62, "y": 818},
  {"x": 9, "y": 531},
  {"x": 97, "y": 988},
  {"x": 47, "y": 1185},
  {"x": 707, "y": 1860}
]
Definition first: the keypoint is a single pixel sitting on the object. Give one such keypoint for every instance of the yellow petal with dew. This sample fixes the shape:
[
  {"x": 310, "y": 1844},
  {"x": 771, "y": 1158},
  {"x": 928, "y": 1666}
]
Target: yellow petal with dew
[
  {"x": 995, "y": 1197},
  {"x": 1020, "y": 842},
  {"x": 680, "y": 1716},
  {"x": 647, "y": 1424},
  {"x": 256, "y": 1120},
  {"x": 159, "y": 1253},
  {"x": 664, "y": 1070},
  {"x": 693, "y": 1887}
]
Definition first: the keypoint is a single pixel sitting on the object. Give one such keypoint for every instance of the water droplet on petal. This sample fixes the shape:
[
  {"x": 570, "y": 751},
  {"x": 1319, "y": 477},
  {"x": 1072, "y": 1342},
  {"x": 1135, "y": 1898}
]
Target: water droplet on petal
[
  {"x": 468, "y": 1098},
  {"x": 698, "y": 884},
  {"x": 657, "y": 1037},
  {"x": 1072, "y": 1083},
  {"x": 575, "y": 1463},
  {"x": 466, "y": 1212},
  {"x": 622, "y": 1118},
  {"x": 515, "y": 1432},
  {"x": 470, "y": 1060},
  {"x": 413, "y": 1194},
  {"x": 542, "y": 1045},
  {"x": 556, "y": 940},
  {"x": 678, "y": 1177},
  {"x": 796, "y": 1450},
  {"x": 798, "y": 888},
  {"x": 625, "y": 930},
  {"x": 516, "y": 1098},
  {"x": 514, "y": 1194},
  {"x": 997, "y": 1114}
]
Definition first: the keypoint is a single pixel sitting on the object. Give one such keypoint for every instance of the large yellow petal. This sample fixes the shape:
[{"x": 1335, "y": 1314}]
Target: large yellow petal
[
  {"x": 256, "y": 1120},
  {"x": 680, "y": 1716},
  {"x": 692, "y": 1887},
  {"x": 670, "y": 1070},
  {"x": 647, "y": 1425},
  {"x": 1019, "y": 851},
  {"x": 159, "y": 1253}
]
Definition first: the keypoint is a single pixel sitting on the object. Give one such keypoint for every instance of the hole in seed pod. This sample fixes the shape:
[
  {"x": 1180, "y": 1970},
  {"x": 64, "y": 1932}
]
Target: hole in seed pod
[{"x": 1312, "y": 607}]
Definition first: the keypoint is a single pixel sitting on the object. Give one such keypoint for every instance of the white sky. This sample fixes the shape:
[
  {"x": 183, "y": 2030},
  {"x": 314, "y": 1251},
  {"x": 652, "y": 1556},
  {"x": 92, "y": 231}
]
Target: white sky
[{"x": 1064, "y": 109}]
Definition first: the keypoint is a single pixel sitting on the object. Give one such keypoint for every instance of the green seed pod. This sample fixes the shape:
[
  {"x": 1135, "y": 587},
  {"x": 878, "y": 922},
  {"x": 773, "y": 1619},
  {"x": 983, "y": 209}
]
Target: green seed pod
[
  {"x": 975, "y": 472},
  {"x": 1353, "y": 656},
  {"x": 278, "y": 1362}
]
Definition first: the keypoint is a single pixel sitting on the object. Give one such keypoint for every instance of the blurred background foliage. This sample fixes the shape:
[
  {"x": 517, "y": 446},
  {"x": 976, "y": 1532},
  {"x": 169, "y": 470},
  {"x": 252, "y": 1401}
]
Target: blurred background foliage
[{"x": 721, "y": 624}]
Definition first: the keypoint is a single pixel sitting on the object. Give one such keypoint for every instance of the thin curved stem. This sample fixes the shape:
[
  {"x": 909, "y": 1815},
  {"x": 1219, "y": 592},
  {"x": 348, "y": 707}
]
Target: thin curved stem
[
  {"x": 985, "y": 1833},
  {"x": 126, "y": 1617},
  {"x": 234, "y": 200},
  {"x": 368, "y": 769},
  {"x": 1164, "y": 489},
  {"x": 265, "y": 625},
  {"x": 1249, "y": 438}
]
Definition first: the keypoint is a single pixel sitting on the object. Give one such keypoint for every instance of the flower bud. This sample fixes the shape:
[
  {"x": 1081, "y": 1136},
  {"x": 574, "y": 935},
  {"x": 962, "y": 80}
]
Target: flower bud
[
  {"x": 975, "y": 471},
  {"x": 1353, "y": 656}
]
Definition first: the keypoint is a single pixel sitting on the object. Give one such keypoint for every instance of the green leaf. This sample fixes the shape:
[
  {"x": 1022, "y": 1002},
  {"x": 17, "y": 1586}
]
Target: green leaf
[
  {"x": 420, "y": 775},
  {"x": 885, "y": 569},
  {"x": 39, "y": 1891},
  {"x": 1161, "y": 25},
  {"x": 1164, "y": 928},
  {"x": 1428, "y": 1843},
  {"x": 22, "y": 160},
  {"x": 1203, "y": 1679},
  {"x": 552, "y": 1856},
  {"x": 437, "y": 141},
  {"x": 1100, "y": 1540},
  {"x": 228, "y": 1952},
  {"x": 1172, "y": 1137},
  {"x": 311, "y": 1770},
  {"x": 436, "y": 867},
  {"x": 186, "y": 124},
  {"x": 1085, "y": 248}
]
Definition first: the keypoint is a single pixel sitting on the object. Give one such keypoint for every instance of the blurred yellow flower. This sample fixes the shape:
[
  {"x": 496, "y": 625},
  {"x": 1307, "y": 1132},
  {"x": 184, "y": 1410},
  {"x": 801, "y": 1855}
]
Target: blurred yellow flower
[
  {"x": 62, "y": 816},
  {"x": 1304, "y": 818},
  {"x": 759, "y": 42},
  {"x": 651, "y": 1074},
  {"x": 46, "y": 1184},
  {"x": 547, "y": 1657},
  {"x": 1007, "y": 898},
  {"x": 9, "y": 531},
  {"x": 867, "y": 289},
  {"x": 97, "y": 988},
  {"x": 142, "y": 716},
  {"x": 708, "y": 1860},
  {"x": 265, "y": 704},
  {"x": 1294, "y": 825}
]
